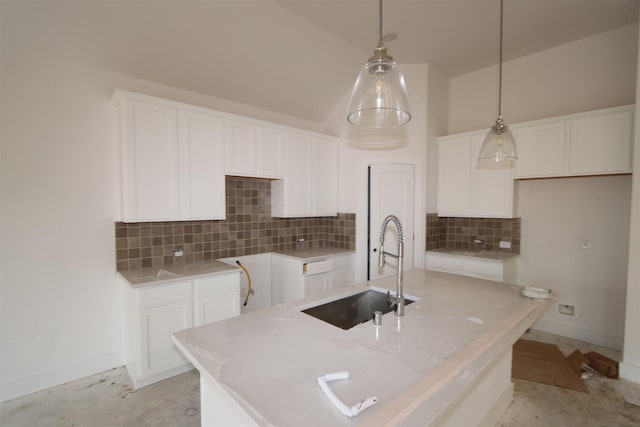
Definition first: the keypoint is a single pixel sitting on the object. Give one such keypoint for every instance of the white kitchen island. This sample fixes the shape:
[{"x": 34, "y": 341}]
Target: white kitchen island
[{"x": 446, "y": 362}]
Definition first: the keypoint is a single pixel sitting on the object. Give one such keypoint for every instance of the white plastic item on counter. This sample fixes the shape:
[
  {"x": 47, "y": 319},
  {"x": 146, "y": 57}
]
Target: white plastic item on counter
[
  {"x": 536, "y": 293},
  {"x": 349, "y": 411}
]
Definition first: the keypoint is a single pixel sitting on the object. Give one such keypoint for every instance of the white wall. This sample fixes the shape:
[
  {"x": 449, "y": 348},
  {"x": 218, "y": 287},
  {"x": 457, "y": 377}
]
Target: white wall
[
  {"x": 630, "y": 366},
  {"x": 557, "y": 215},
  {"x": 361, "y": 148},
  {"x": 588, "y": 74},
  {"x": 60, "y": 306},
  {"x": 437, "y": 125}
]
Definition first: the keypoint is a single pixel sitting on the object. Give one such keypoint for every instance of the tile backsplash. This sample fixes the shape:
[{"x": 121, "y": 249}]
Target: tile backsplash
[
  {"x": 249, "y": 229},
  {"x": 459, "y": 233}
]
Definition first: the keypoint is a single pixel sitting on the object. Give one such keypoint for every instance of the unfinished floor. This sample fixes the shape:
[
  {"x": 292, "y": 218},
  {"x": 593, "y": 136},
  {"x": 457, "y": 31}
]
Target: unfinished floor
[{"x": 107, "y": 400}]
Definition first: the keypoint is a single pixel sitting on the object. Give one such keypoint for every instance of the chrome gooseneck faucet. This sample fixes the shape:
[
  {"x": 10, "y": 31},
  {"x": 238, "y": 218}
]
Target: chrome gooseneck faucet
[{"x": 397, "y": 300}]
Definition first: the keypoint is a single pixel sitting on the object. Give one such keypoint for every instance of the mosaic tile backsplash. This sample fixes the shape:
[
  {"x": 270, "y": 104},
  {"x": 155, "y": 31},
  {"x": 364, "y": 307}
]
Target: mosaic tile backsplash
[
  {"x": 459, "y": 233},
  {"x": 249, "y": 229}
]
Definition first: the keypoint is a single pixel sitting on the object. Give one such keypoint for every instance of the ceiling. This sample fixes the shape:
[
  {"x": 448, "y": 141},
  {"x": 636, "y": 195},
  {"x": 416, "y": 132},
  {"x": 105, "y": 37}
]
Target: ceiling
[{"x": 295, "y": 57}]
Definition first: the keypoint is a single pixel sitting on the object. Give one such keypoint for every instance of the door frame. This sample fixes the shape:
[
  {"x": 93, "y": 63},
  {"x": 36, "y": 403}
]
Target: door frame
[{"x": 419, "y": 214}]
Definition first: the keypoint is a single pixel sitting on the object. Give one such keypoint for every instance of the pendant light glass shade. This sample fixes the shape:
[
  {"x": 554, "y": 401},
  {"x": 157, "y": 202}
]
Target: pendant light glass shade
[
  {"x": 379, "y": 99},
  {"x": 499, "y": 148}
]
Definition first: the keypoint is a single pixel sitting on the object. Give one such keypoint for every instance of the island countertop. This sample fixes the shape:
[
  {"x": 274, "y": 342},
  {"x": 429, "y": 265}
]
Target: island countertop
[{"x": 269, "y": 361}]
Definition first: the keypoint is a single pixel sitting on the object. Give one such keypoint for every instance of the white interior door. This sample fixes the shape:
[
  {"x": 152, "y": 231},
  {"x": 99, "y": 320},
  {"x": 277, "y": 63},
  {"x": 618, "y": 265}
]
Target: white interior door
[{"x": 391, "y": 191}]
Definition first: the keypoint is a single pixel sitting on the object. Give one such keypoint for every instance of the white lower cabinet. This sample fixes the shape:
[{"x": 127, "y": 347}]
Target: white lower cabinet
[
  {"x": 342, "y": 274},
  {"x": 499, "y": 270},
  {"x": 216, "y": 298},
  {"x": 293, "y": 279},
  {"x": 316, "y": 285},
  {"x": 157, "y": 353},
  {"x": 156, "y": 312}
]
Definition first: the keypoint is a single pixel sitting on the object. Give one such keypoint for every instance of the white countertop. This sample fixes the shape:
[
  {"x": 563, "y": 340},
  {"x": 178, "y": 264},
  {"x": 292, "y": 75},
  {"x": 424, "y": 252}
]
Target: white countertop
[
  {"x": 166, "y": 274},
  {"x": 310, "y": 254},
  {"x": 488, "y": 255},
  {"x": 269, "y": 360}
]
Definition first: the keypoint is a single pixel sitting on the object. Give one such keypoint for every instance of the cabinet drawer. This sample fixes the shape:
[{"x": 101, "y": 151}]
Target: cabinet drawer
[
  {"x": 317, "y": 267},
  {"x": 217, "y": 284},
  {"x": 158, "y": 295}
]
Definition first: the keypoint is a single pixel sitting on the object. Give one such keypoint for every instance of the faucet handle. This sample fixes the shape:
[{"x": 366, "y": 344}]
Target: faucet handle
[{"x": 391, "y": 300}]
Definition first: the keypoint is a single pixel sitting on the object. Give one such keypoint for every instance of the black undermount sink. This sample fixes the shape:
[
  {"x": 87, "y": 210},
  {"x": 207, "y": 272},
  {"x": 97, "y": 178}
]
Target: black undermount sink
[{"x": 350, "y": 311}]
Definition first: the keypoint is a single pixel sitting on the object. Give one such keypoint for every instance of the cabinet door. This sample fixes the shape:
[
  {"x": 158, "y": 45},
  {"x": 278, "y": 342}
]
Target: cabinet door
[
  {"x": 342, "y": 274},
  {"x": 601, "y": 143},
  {"x": 454, "y": 176},
  {"x": 158, "y": 354},
  {"x": 291, "y": 197},
  {"x": 202, "y": 165},
  {"x": 324, "y": 177},
  {"x": 221, "y": 306},
  {"x": 491, "y": 189},
  {"x": 240, "y": 149},
  {"x": 317, "y": 285},
  {"x": 541, "y": 150},
  {"x": 217, "y": 298},
  {"x": 150, "y": 169},
  {"x": 270, "y": 155},
  {"x": 286, "y": 280}
]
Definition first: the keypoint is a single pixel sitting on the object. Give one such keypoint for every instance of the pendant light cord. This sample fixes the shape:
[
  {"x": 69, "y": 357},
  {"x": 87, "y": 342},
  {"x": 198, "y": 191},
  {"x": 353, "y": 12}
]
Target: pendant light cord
[
  {"x": 500, "y": 67},
  {"x": 380, "y": 20}
]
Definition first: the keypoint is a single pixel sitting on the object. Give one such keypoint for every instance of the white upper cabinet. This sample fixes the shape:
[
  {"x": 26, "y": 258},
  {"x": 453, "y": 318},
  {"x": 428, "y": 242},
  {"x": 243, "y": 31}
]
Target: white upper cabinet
[
  {"x": 254, "y": 150},
  {"x": 291, "y": 197},
  {"x": 593, "y": 143},
  {"x": 541, "y": 149},
  {"x": 270, "y": 146},
  {"x": 241, "y": 150},
  {"x": 324, "y": 177},
  {"x": 150, "y": 166},
  {"x": 463, "y": 189},
  {"x": 202, "y": 162},
  {"x": 600, "y": 143},
  {"x": 172, "y": 160},
  {"x": 491, "y": 189},
  {"x": 310, "y": 184},
  {"x": 454, "y": 176}
]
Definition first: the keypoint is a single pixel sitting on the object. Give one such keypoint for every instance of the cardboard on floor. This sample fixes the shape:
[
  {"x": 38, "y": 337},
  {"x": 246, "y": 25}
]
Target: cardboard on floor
[{"x": 544, "y": 363}]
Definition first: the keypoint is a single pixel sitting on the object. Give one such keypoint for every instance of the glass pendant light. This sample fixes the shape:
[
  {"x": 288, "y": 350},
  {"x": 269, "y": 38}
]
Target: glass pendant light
[
  {"x": 379, "y": 99},
  {"x": 499, "y": 148}
]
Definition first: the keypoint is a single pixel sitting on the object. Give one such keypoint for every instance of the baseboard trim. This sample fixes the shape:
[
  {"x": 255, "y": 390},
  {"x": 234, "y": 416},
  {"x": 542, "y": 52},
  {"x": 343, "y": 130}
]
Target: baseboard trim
[
  {"x": 630, "y": 372},
  {"x": 581, "y": 334},
  {"x": 41, "y": 381}
]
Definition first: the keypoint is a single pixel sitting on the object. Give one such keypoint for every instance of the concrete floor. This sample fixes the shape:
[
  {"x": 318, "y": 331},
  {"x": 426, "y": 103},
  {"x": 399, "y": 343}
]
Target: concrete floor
[{"x": 107, "y": 400}]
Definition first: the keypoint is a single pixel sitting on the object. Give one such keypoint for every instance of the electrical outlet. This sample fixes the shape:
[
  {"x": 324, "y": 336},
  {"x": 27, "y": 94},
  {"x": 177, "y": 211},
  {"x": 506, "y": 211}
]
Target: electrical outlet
[
  {"x": 567, "y": 309},
  {"x": 505, "y": 245}
]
